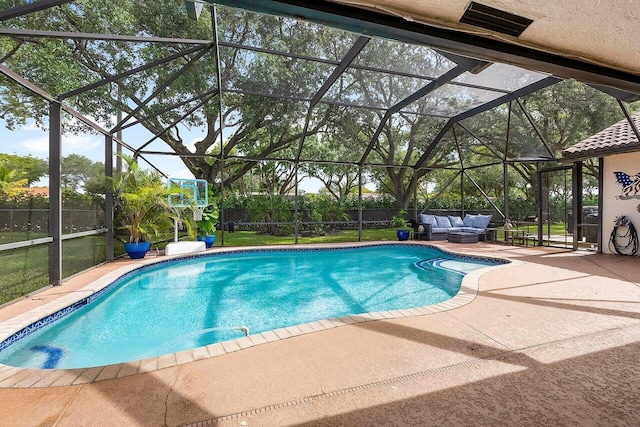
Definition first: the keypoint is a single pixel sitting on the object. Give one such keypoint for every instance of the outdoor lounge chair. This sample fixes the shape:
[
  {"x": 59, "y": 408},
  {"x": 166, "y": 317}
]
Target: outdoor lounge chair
[{"x": 436, "y": 227}]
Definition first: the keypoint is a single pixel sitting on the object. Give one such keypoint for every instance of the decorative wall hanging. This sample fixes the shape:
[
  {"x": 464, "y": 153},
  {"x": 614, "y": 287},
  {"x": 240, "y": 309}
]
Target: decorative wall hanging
[{"x": 630, "y": 185}]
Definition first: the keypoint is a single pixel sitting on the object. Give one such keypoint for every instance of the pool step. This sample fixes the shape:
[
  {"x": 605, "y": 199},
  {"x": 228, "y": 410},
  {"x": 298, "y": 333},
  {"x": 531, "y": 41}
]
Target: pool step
[{"x": 454, "y": 266}]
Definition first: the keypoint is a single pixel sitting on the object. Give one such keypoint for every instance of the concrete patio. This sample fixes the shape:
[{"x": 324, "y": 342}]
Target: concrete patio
[{"x": 552, "y": 340}]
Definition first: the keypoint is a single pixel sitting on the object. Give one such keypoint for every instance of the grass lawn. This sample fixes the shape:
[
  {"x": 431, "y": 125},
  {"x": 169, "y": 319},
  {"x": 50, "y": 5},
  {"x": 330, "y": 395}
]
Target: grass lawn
[
  {"x": 252, "y": 238},
  {"x": 26, "y": 270},
  {"x": 23, "y": 271},
  {"x": 556, "y": 228}
]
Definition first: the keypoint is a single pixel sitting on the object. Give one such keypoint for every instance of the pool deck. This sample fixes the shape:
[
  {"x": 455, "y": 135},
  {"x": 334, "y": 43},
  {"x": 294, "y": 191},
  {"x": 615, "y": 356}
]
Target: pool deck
[{"x": 552, "y": 339}]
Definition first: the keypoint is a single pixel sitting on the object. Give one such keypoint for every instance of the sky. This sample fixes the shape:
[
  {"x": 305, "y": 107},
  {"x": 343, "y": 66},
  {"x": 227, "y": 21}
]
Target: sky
[{"x": 31, "y": 140}]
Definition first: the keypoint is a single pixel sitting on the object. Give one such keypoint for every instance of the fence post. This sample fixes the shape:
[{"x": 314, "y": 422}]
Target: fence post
[
  {"x": 576, "y": 176},
  {"x": 359, "y": 203},
  {"x": 55, "y": 194},
  {"x": 11, "y": 225},
  {"x": 108, "y": 200}
]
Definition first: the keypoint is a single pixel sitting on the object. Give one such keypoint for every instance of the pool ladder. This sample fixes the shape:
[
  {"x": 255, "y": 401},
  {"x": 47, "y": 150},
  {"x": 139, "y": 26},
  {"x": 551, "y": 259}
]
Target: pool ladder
[{"x": 244, "y": 329}]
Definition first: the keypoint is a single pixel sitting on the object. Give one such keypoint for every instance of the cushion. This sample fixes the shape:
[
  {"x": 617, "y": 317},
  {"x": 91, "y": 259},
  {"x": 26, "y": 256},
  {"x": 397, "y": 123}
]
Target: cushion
[
  {"x": 428, "y": 219},
  {"x": 440, "y": 230},
  {"x": 481, "y": 221},
  {"x": 468, "y": 220},
  {"x": 473, "y": 230},
  {"x": 443, "y": 222},
  {"x": 455, "y": 221}
]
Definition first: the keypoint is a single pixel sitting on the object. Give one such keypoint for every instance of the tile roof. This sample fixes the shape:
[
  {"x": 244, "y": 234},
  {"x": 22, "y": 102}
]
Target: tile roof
[{"x": 618, "y": 138}]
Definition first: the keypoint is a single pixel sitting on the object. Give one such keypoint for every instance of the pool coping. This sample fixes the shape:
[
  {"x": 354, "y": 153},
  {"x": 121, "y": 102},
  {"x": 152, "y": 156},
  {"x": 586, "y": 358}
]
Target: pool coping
[{"x": 11, "y": 376}]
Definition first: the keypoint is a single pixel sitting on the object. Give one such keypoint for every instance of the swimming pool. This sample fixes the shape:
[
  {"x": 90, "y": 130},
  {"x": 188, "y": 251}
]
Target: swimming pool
[{"x": 192, "y": 302}]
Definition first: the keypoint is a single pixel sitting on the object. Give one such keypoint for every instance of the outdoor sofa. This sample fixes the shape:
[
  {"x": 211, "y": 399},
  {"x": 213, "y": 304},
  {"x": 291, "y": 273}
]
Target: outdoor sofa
[{"x": 436, "y": 227}]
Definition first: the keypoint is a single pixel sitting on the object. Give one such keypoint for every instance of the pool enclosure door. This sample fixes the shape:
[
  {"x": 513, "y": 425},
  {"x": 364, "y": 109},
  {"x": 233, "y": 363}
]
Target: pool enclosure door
[{"x": 562, "y": 221}]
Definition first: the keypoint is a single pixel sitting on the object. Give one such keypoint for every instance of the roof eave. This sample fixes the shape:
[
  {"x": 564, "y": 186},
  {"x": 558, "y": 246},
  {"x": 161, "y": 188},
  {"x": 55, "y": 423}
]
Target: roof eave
[{"x": 600, "y": 152}]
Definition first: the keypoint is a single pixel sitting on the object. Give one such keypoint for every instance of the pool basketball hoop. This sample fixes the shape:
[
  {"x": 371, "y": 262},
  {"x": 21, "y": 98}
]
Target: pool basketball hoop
[{"x": 188, "y": 193}]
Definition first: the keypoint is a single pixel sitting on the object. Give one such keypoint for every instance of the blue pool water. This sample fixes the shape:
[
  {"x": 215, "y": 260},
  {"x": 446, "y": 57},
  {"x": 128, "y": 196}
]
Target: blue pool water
[{"x": 197, "y": 301}]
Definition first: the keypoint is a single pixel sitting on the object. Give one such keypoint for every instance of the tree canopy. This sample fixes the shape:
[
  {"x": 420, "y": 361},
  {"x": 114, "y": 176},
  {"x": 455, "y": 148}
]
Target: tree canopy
[
  {"x": 265, "y": 99},
  {"x": 29, "y": 168}
]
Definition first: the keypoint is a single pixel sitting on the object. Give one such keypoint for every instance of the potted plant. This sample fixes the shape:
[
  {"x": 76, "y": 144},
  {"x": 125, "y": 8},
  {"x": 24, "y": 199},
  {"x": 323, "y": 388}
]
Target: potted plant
[
  {"x": 142, "y": 209},
  {"x": 401, "y": 224},
  {"x": 207, "y": 225}
]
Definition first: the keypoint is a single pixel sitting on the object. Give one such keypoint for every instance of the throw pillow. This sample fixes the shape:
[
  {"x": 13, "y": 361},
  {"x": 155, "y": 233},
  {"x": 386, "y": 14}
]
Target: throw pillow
[
  {"x": 443, "y": 222},
  {"x": 428, "y": 219},
  {"x": 468, "y": 220},
  {"x": 455, "y": 221},
  {"x": 482, "y": 221}
]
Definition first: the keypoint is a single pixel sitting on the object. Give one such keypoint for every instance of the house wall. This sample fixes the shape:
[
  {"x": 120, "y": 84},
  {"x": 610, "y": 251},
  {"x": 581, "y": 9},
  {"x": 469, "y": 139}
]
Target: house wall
[{"x": 613, "y": 205}]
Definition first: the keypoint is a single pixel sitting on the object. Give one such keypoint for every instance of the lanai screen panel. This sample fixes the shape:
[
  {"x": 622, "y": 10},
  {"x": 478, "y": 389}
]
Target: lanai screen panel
[
  {"x": 524, "y": 143},
  {"x": 406, "y": 137},
  {"x": 345, "y": 137},
  {"x": 284, "y": 35},
  {"x": 280, "y": 135},
  {"x": 473, "y": 151},
  {"x": 445, "y": 155},
  {"x": 451, "y": 100},
  {"x": 270, "y": 75},
  {"x": 501, "y": 77},
  {"x": 490, "y": 127},
  {"x": 278, "y": 57},
  {"x": 372, "y": 89},
  {"x": 181, "y": 96},
  {"x": 402, "y": 58}
]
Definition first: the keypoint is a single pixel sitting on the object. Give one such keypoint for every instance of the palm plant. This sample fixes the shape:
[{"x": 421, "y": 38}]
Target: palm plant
[{"x": 140, "y": 198}]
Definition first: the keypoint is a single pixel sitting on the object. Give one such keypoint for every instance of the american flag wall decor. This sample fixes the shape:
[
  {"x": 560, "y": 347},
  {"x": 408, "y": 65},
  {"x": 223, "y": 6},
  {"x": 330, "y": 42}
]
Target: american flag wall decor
[{"x": 630, "y": 185}]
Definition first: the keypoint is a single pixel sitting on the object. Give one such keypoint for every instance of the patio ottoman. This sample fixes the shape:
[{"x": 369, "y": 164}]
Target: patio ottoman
[{"x": 462, "y": 237}]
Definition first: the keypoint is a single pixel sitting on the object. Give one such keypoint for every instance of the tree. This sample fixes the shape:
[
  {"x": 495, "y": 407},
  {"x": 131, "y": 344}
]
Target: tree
[
  {"x": 403, "y": 140},
  {"x": 79, "y": 173},
  {"x": 141, "y": 200},
  {"x": 339, "y": 180},
  {"x": 10, "y": 179},
  {"x": 265, "y": 98},
  {"x": 28, "y": 167},
  {"x": 565, "y": 114},
  {"x": 246, "y": 117}
]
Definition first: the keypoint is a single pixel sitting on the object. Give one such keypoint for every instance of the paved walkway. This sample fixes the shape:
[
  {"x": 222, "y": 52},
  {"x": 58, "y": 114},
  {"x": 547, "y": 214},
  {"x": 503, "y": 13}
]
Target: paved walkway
[{"x": 552, "y": 340}]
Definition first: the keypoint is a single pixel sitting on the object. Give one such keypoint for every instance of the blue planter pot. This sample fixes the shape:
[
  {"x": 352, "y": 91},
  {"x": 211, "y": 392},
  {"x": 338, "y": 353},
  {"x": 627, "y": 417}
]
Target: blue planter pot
[
  {"x": 208, "y": 240},
  {"x": 137, "y": 250},
  {"x": 402, "y": 234}
]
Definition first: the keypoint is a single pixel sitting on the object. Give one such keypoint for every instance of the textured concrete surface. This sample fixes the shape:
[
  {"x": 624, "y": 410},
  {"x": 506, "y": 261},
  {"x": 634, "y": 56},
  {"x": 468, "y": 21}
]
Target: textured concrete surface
[
  {"x": 552, "y": 341},
  {"x": 595, "y": 30}
]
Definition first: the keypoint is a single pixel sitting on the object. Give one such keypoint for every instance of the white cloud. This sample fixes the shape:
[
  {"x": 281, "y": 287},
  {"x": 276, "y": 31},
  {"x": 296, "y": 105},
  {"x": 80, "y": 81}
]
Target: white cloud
[
  {"x": 36, "y": 146},
  {"x": 87, "y": 145},
  {"x": 31, "y": 126},
  {"x": 179, "y": 173}
]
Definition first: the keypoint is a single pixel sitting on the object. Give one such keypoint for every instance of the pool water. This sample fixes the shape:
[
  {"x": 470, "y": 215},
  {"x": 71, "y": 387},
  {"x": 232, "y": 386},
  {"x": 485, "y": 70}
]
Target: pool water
[{"x": 197, "y": 301}]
